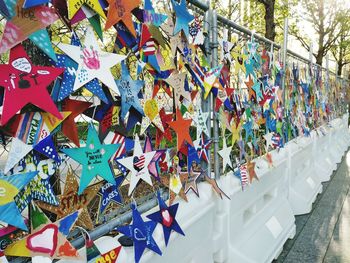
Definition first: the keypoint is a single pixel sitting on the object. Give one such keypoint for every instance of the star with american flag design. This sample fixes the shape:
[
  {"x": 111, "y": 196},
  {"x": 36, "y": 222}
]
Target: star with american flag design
[{"x": 138, "y": 164}]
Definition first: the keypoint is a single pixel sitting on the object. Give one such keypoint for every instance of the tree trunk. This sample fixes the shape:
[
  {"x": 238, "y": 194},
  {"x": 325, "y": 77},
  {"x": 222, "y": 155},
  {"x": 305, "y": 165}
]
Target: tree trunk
[
  {"x": 319, "y": 57},
  {"x": 340, "y": 67},
  {"x": 270, "y": 26}
]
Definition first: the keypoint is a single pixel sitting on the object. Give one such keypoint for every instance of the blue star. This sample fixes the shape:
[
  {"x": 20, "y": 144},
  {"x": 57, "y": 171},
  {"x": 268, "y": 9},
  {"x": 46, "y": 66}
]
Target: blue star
[
  {"x": 183, "y": 17},
  {"x": 151, "y": 17},
  {"x": 110, "y": 193},
  {"x": 31, "y": 3},
  {"x": 141, "y": 233},
  {"x": 129, "y": 90},
  {"x": 9, "y": 188},
  {"x": 166, "y": 217},
  {"x": 95, "y": 159}
]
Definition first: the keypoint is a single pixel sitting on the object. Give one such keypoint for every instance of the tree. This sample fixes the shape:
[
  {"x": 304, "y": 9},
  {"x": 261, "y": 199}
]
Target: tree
[
  {"x": 324, "y": 17},
  {"x": 270, "y": 25},
  {"x": 341, "y": 49}
]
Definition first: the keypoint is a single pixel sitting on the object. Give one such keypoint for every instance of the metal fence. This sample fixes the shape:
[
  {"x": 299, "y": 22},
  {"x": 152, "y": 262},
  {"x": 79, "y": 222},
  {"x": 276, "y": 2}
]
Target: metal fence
[{"x": 215, "y": 27}]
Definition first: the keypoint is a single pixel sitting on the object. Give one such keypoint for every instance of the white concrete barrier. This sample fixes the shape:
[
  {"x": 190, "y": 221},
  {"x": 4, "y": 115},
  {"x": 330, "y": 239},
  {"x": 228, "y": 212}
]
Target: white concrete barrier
[{"x": 304, "y": 183}]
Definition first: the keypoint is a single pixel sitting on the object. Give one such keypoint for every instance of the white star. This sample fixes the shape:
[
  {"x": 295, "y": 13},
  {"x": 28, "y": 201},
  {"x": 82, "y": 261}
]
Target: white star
[
  {"x": 268, "y": 138},
  {"x": 225, "y": 155},
  {"x": 138, "y": 165},
  {"x": 93, "y": 62},
  {"x": 200, "y": 118}
]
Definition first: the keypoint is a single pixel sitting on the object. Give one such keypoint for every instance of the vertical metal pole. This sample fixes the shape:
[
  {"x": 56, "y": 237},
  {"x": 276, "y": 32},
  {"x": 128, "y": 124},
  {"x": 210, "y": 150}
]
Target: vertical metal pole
[
  {"x": 311, "y": 60},
  {"x": 206, "y": 103},
  {"x": 284, "y": 59},
  {"x": 327, "y": 72},
  {"x": 214, "y": 63}
]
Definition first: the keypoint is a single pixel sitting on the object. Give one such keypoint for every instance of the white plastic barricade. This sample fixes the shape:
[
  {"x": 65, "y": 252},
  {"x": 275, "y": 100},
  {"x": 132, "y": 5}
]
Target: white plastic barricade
[
  {"x": 304, "y": 183},
  {"x": 334, "y": 147},
  {"x": 323, "y": 162},
  {"x": 260, "y": 217},
  {"x": 196, "y": 219}
]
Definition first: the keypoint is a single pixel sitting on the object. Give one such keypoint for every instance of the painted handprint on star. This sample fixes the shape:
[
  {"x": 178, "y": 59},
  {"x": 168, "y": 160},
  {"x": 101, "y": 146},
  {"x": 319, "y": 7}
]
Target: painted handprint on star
[{"x": 91, "y": 58}]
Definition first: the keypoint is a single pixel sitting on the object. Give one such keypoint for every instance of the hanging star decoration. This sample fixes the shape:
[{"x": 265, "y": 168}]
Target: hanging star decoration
[
  {"x": 29, "y": 23},
  {"x": 66, "y": 87},
  {"x": 70, "y": 201},
  {"x": 129, "y": 90},
  {"x": 92, "y": 62},
  {"x": 120, "y": 11},
  {"x": 166, "y": 217},
  {"x": 74, "y": 6},
  {"x": 236, "y": 131},
  {"x": 153, "y": 167},
  {"x": 191, "y": 183},
  {"x": 141, "y": 233},
  {"x": 177, "y": 82},
  {"x": 225, "y": 154},
  {"x": 138, "y": 165},
  {"x": 183, "y": 17},
  {"x": 31, "y": 3},
  {"x": 181, "y": 127},
  {"x": 69, "y": 127},
  {"x": 174, "y": 181},
  {"x": 10, "y": 187},
  {"x": 110, "y": 194},
  {"x": 215, "y": 187},
  {"x": 26, "y": 83},
  {"x": 47, "y": 239},
  {"x": 150, "y": 17},
  {"x": 200, "y": 118},
  {"x": 94, "y": 158},
  {"x": 251, "y": 171}
]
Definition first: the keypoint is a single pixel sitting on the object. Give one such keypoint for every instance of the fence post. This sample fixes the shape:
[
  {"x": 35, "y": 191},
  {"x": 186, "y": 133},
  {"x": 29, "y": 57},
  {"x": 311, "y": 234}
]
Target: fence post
[
  {"x": 284, "y": 59},
  {"x": 206, "y": 103},
  {"x": 214, "y": 63},
  {"x": 311, "y": 59}
]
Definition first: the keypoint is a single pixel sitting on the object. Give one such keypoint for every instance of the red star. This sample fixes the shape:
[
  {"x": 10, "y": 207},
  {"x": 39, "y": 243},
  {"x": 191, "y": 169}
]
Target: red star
[
  {"x": 26, "y": 83},
  {"x": 165, "y": 118},
  {"x": 182, "y": 128},
  {"x": 69, "y": 127}
]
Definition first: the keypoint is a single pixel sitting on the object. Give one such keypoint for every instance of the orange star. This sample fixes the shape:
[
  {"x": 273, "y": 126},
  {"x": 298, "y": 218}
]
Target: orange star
[
  {"x": 120, "y": 11},
  {"x": 250, "y": 84},
  {"x": 251, "y": 171},
  {"x": 182, "y": 129},
  {"x": 268, "y": 158}
]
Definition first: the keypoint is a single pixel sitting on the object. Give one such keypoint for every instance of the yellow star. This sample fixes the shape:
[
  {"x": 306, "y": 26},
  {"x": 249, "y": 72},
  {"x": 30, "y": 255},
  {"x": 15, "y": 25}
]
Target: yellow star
[
  {"x": 236, "y": 131},
  {"x": 74, "y": 6}
]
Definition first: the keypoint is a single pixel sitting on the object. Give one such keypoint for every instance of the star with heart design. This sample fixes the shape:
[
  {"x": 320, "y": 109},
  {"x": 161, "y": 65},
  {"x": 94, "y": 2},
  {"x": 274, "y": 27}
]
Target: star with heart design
[
  {"x": 92, "y": 62},
  {"x": 47, "y": 239},
  {"x": 120, "y": 11},
  {"x": 141, "y": 233},
  {"x": 166, "y": 216},
  {"x": 70, "y": 201},
  {"x": 138, "y": 165},
  {"x": 26, "y": 83},
  {"x": 182, "y": 128},
  {"x": 94, "y": 158},
  {"x": 10, "y": 186}
]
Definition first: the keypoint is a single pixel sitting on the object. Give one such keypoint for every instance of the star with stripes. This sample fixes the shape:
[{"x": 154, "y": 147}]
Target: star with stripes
[
  {"x": 202, "y": 147},
  {"x": 182, "y": 129},
  {"x": 138, "y": 164},
  {"x": 94, "y": 158},
  {"x": 166, "y": 217},
  {"x": 241, "y": 173}
]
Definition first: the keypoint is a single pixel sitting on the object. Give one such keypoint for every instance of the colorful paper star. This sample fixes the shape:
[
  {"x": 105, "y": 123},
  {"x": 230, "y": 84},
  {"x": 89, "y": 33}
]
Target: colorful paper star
[
  {"x": 69, "y": 127},
  {"x": 251, "y": 171},
  {"x": 31, "y": 3},
  {"x": 95, "y": 159},
  {"x": 138, "y": 165},
  {"x": 150, "y": 17},
  {"x": 74, "y": 6},
  {"x": 129, "y": 90},
  {"x": 47, "y": 239},
  {"x": 92, "y": 62},
  {"x": 141, "y": 233},
  {"x": 25, "y": 83},
  {"x": 110, "y": 193},
  {"x": 191, "y": 183},
  {"x": 70, "y": 201},
  {"x": 10, "y": 187},
  {"x": 120, "y": 11},
  {"x": 201, "y": 118},
  {"x": 215, "y": 187},
  {"x": 175, "y": 182},
  {"x": 29, "y": 23},
  {"x": 182, "y": 128},
  {"x": 166, "y": 217},
  {"x": 225, "y": 154},
  {"x": 183, "y": 17},
  {"x": 177, "y": 82}
]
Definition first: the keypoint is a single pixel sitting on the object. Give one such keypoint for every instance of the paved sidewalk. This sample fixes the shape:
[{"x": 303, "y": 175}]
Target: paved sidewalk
[{"x": 324, "y": 234}]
